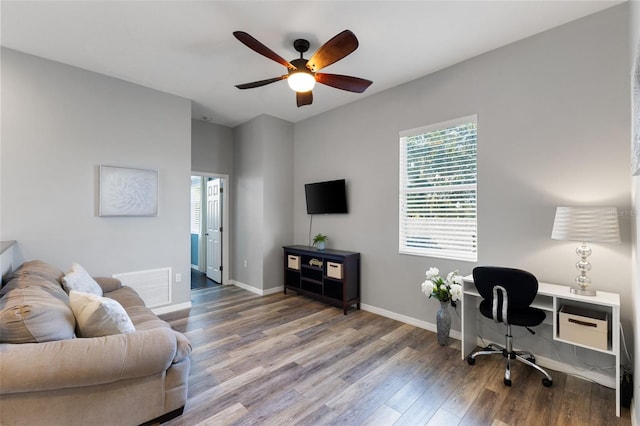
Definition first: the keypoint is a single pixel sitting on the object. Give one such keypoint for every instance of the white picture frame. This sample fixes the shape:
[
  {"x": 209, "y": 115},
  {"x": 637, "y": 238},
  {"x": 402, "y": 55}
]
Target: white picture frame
[{"x": 127, "y": 191}]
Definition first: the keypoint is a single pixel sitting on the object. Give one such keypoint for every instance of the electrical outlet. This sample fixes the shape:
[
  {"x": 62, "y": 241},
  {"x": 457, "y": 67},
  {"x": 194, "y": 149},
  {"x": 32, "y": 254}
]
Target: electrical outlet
[
  {"x": 178, "y": 278},
  {"x": 245, "y": 263}
]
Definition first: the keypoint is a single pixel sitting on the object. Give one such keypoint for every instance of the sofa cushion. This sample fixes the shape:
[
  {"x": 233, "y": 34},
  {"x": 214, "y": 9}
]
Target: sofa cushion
[
  {"x": 144, "y": 318},
  {"x": 99, "y": 316},
  {"x": 34, "y": 314},
  {"x": 41, "y": 269},
  {"x": 79, "y": 280},
  {"x": 26, "y": 280}
]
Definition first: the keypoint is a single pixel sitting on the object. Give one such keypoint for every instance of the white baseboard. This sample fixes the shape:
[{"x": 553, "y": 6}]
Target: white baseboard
[
  {"x": 273, "y": 290},
  {"x": 407, "y": 319},
  {"x": 171, "y": 308},
  {"x": 594, "y": 376},
  {"x": 257, "y": 291}
]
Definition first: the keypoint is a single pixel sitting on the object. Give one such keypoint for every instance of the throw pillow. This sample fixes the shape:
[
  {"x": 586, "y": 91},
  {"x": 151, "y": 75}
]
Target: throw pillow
[
  {"x": 99, "y": 316},
  {"x": 34, "y": 315},
  {"x": 79, "y": 280}
]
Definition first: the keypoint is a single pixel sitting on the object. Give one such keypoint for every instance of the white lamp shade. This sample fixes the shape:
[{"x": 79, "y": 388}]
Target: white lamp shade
[
  {"x": 586, "y": 224},
  {"x": 301, "y": 81}
]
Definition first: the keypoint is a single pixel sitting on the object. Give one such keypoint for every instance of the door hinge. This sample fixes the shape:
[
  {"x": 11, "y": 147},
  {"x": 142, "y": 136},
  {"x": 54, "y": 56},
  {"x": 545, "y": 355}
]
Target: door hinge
[
  {"x": 221, "y": 269},
  {"x": 221, "y": 229}
]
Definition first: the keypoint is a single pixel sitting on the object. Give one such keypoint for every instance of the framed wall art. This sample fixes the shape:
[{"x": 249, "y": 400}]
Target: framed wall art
[{"x": 128, "y": 192}]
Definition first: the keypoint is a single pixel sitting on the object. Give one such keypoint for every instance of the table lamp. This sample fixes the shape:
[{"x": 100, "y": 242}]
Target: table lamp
[{"x": 587, "y": 225}]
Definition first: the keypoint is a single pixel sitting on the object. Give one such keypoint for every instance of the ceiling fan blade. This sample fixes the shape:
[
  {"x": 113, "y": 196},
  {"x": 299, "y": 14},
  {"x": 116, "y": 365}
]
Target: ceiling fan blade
[
  {"x": 344, "y": 82},
  {"x": 260, "y": 48},
  {"x": 304, "y": 98},
  {"x": 332, "y": 51},
  {"x": 261, "y": 82}
]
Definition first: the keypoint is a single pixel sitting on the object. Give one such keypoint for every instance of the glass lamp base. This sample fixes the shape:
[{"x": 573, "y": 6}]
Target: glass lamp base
[{"x": 583, "y": 291}]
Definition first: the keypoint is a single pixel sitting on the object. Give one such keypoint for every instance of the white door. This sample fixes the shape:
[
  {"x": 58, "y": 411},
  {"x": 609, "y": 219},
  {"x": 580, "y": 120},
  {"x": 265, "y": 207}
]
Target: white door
[{"x": 214, "y": 231}]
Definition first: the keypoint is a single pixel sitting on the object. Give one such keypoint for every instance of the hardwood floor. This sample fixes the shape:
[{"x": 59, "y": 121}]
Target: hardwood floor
[
  {"x": 279, "y": 360},
  {"x": 200, "y": 280}
]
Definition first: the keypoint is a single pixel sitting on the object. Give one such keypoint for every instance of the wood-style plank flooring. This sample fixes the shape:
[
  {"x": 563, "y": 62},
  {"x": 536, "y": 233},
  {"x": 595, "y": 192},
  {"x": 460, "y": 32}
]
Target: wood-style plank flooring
[
  {"x": 287, "y": 360},
  {"x": 200, "y": 280}
]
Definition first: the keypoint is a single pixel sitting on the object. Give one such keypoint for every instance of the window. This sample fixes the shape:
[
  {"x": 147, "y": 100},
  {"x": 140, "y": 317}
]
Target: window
[
  {"x": 438, "y": 172},
  {"x": 196, "y": 201}
]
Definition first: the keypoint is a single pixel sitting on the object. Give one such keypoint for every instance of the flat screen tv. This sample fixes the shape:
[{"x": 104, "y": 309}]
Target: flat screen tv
[{"x": 326, "y": 197}]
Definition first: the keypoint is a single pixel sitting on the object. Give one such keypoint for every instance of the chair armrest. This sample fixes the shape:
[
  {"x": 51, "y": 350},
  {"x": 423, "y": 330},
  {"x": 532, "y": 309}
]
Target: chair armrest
[
  {"x": 84, "y": 362},
  {"x": 108, "y": 284}
]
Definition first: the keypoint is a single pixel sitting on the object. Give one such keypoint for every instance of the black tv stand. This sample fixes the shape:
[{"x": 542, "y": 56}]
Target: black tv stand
[{"x": 332, "y": 276}]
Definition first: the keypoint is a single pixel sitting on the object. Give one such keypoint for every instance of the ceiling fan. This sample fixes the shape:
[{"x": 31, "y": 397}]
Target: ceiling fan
[{"x": 302, "y": 73}]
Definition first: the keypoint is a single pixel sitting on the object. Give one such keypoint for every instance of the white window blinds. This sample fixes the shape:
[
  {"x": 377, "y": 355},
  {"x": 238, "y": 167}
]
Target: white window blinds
[
  {"x": 196, "y": 203},
  {"x": 438, "y": 180}
]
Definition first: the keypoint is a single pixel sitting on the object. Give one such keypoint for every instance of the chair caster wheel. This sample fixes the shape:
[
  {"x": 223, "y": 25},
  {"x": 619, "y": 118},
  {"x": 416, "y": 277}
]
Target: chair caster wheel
[
  {"x": 547, "y": 383},
  {"x": 507, "y": 382},
  {"x": 471, "y": 361}
]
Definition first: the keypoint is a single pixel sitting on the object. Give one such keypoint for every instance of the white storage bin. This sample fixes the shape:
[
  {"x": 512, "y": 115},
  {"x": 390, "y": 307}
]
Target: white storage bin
[
  {"x": 334, "y": 270},
  {"x": 293, "y": 262},
  {"x": 584, "y": 326}
]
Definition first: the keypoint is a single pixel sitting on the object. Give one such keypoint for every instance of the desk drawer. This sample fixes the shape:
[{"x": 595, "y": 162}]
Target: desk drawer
[{"x": 583, "y": 326}]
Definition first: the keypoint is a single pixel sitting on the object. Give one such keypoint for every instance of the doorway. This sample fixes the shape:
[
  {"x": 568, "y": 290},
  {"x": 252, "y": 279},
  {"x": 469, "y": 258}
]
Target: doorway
[{"x": 209, "y": 225}]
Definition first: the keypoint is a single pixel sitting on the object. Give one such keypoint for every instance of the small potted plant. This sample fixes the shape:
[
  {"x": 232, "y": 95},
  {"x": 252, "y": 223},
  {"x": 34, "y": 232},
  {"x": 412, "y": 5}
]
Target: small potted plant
[{"x": 320, "y": 241}]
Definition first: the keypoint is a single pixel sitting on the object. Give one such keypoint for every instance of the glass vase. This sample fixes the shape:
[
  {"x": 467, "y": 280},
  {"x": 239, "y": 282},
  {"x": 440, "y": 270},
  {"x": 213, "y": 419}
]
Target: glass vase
[{"x": 443, "y": 323}]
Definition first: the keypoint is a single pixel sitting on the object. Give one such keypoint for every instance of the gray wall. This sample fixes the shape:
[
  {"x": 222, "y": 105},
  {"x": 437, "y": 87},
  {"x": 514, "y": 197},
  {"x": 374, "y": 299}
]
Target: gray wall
[
  {"x": 278, "y": 197},
  {"x": 247, "y": 204},
  {"x": 211, "y": 148},
  {"x": 553, "y": 129},
  {"x": 59, "y": 123},
  {"x": 263, "y": 176}
]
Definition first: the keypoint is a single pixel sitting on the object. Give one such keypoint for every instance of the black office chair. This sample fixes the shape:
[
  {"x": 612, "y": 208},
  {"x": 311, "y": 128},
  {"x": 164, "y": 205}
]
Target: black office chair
[{"x": 507, "y": 295}]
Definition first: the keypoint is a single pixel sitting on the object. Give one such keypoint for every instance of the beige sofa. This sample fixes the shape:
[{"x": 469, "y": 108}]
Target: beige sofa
[{"x": 119, "y": 379}]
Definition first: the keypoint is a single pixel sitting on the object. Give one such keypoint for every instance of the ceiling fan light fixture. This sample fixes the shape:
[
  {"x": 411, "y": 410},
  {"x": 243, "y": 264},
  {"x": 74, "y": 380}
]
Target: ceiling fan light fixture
[
  {"x": 301, "y": 81},
  {"x": 302, "y": 73}
]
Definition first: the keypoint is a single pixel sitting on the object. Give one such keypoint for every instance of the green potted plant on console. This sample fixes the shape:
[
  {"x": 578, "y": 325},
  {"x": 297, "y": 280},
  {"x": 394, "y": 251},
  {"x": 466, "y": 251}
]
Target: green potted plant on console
[{"x": 320, "y": 241}]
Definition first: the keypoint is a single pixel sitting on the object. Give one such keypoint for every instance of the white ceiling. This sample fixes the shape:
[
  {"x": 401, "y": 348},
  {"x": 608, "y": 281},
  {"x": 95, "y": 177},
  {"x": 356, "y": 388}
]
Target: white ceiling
[{"x": 186, "y": 48}]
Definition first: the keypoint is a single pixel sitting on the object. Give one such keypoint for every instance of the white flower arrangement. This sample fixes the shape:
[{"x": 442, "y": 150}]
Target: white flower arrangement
[{"x": 445, "y": 290}]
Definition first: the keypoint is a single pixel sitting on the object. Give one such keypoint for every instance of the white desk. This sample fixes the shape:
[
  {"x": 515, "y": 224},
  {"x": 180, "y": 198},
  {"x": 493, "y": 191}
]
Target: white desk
[{"x": 550, "y": 298}]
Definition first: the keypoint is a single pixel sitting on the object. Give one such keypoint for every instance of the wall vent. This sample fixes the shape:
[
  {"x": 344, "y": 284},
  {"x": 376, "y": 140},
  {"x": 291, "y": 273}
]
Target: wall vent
[{"x": 153, "y": 286}]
